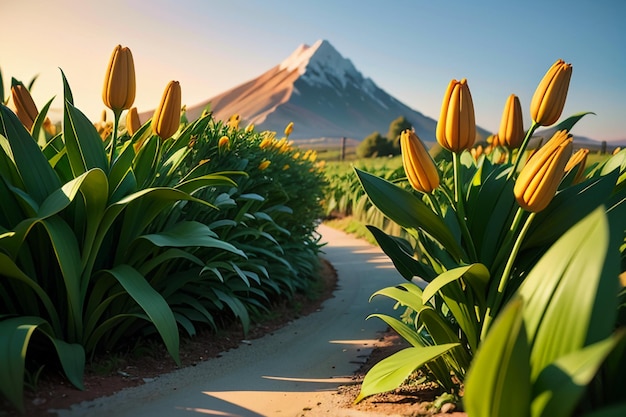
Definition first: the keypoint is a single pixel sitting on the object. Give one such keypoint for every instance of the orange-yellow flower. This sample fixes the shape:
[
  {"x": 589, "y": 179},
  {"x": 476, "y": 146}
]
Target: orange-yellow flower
[
  {"x": 539, "y": 179},
  {"x": 578, "y": 159},
  {"x": 289, "y": 129},
  {"x": 25, "y": 107},
  {"x": 132, "y": 121},
  {"x": 264, "y": 164},
  {"x": 456, "y": 128},
  {"x": 166, "y": 119},
  {"x": 118, "y": 92},
  {"x": 233, "y": 122},
  {"x": 511, "y": 133},
  {"x": 418, "y": 165},
  {"x": 223, "y": 142},
  {"x": 249, "y": 128},
  {"x": 549, "y": 98}
]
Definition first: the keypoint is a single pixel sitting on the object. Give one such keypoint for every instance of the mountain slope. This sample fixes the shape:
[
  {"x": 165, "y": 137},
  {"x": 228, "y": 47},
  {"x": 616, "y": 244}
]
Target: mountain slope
[{"x": 322, "y": 93}]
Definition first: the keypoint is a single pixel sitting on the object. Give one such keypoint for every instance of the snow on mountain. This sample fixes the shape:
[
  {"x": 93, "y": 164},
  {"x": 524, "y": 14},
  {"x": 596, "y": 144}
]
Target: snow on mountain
[{"x": 322, "y": 93}]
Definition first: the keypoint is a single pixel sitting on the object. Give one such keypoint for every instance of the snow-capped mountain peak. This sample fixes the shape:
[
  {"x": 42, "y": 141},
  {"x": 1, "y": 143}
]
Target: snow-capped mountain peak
[{"x": 320, "y": 62}]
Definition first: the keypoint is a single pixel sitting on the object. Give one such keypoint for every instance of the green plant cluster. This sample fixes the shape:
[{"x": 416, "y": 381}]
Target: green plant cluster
[
  {"x": 148, "y": 238},
  {"x": 474, "y": 254}
]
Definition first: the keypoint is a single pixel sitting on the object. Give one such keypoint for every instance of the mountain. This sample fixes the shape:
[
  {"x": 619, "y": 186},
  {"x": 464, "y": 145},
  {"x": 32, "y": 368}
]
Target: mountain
[{"x": 322, "y": 93}]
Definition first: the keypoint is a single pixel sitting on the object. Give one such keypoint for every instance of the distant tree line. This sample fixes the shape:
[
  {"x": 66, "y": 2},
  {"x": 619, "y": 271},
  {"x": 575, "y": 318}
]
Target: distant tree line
[{"x": 376, "y": 145}]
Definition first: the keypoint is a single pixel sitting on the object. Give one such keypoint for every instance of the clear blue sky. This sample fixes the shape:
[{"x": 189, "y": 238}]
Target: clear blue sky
[{"x": 410, "y": 48}]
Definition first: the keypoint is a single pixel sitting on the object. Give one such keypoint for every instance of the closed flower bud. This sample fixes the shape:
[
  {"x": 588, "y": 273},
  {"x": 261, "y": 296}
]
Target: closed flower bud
[
  {"x": 418, "y": 165},
  {"x": 577, "y": 161},
  {"x": 264, "y": 164},
  {"x": 539, "y": 179},
  {"x": 549, "y": 98},
  {"x": 223, "y": 142},
  {"x": 249, "y": 128},
  {"x": 511, "y": 133},
  {"x": 289, "y": 129},
  {"x": 456, "y": 128},
  {"x": 166, "y": 119},
  {"x": 49, "y": 127},
  {"x": 132, "y": 121},
  {"x": 25, "y": 107},
  {"x": 118, "y": 92}
]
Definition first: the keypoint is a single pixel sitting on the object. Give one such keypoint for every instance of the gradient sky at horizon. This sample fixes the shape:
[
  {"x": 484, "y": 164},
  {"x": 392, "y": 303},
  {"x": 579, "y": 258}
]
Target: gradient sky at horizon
[{"x": 409, "y": 48}]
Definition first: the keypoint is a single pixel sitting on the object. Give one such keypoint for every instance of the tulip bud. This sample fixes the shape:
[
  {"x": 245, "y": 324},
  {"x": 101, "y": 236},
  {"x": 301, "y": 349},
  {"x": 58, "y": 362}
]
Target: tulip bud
[
  {"x": 289, "y": 129},
  {"x": 25, "y": 107},
  {"x": 456, "y": 128},
  {"x": 419, "y": 167},
  {"x": 549, "y": 98},
  {"x": 223, "y": 142},
  {"x": 132, "y": 121},
  {"x": 118, "y": 92},
  {"x": 263, "y": 165},
  {"x": 249, "y": 128},
  {"x": 511, "y": 133},
  {"x": 166, "y": 119},
  {"x": 539, "y": 179},
  {"x": 578, "y": 159}
]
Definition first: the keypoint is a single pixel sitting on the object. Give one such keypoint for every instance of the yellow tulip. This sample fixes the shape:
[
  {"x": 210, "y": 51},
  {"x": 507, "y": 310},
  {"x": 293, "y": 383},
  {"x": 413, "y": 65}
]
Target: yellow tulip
[
  {"x": 511, "y": 133},
  {"x": 289, "y": 129},
  {"x": 418, "y": 165},
  {"x": 223, "y": 142},
  {"x": 548, "y": 101},
  {"x": 166, "y": 119},
  {"x": 578, "y": 159},
  {"x": 249, "y": 128},
  {"x": 456, "y": 128},
  {"x": 132, "y": 121},
  {"x": 233, "y": 122},
  {"x": 264, "y": 164},
  {"x": 118, "y": 92},
  {"x": 539, "y": 179},
  {"x": 25, "y": 107}
]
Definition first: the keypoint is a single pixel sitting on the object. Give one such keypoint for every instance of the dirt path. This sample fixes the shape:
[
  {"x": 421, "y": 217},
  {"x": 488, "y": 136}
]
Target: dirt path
[{"x": 295, "y": 370}]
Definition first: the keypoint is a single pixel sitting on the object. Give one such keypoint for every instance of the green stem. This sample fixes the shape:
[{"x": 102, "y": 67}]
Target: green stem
[
  {"x": 459, "y": 199},
  {"x": 116, "y": 121},
  {"x": 522, "y": 148},
  {"x": 504, "y": 277}
]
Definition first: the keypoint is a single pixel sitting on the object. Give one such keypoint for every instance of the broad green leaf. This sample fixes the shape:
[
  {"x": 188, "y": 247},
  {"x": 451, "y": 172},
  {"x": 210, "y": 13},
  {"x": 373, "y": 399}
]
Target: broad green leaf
[
  {"x": 559, "y": 386},
  {"x": 35, "y": 172},
  {"x": 475, "y": 275},
  {"x": 15, "y": 337},
  {"x": 498, "y": 382},
  {"x": 389, "y": 373},
  {"x": 570, "y": 294},
  {"x": 146, "y": 160},
  {"x": 404, "y": 262},
  {"x": 617, "y": 410},
  {"x": 152, "y": 303},
  {"x": 568, "y": 207},
  {"x": 11, "y": 271},
  {"x": 85, "y": 149},
  {"x": 568, "y": 123},
  {"x": 408, "y": 294},
  {"x": 36, "y": 129},
  {"x": 405, "y": 331},
  {"x": 408, "y": 211}
]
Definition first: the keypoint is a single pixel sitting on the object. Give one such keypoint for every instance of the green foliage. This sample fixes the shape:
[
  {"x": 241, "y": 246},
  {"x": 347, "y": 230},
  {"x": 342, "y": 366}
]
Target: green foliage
[
  {"x": 470, "y": 247},
  {"x": 396, "y": 127},
  {"x": 106, "y": 241},
  {"x": 549, "y": 342},
  {"x": 373, "y": 146}
]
